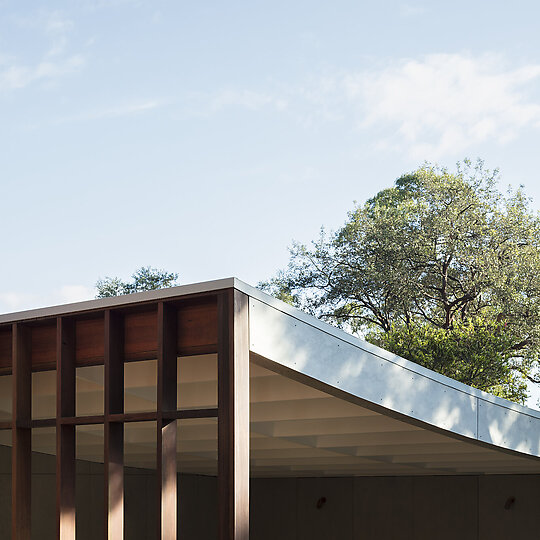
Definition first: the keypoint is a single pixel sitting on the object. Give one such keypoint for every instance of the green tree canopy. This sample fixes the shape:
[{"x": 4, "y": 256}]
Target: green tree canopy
[
  {"x": 440, "y": 268},
  {"x": 145, "y": 278}
]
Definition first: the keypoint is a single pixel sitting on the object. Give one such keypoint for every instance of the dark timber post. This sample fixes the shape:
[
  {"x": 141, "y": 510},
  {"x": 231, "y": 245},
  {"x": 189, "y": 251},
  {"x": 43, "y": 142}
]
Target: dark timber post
[
  {"x": 166, "y": 426},
  {"x": 233, "y": 415},
  {"x": 65, "y": 434},
  {"x": 114, "y": 431},
  {"x": 21, "y": 450}
]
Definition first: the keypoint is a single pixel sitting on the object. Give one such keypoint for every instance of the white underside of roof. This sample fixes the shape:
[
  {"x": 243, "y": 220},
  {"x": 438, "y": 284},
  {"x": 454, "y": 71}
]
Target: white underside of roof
[{"x": 338, "y": 362}]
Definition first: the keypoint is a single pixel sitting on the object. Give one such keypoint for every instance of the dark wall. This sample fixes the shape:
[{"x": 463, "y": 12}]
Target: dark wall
[
  {"x": 375, "y": 508},
  {"x": 197, "y": 502},
  {"x": 397, "y": 508}
]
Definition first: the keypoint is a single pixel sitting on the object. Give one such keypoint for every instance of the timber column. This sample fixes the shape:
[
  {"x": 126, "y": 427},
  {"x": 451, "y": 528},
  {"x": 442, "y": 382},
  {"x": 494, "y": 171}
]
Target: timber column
[
  {"x": 21, "y": 450},
  {"x": 65, "y": 433},
  {"x": 166, "y": 427},
  {"x": 114, "y": 431},
  {"x": 233, "y": 415}
]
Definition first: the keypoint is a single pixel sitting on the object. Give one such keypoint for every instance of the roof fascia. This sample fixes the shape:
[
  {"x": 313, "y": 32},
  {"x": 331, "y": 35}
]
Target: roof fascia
[
  {"x": 377, "y": 351},
  {"x": 118, "y": 301}
]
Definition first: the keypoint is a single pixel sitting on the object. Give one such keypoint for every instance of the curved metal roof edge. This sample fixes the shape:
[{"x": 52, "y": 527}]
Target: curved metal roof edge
[{"x": 377, "y": 351}]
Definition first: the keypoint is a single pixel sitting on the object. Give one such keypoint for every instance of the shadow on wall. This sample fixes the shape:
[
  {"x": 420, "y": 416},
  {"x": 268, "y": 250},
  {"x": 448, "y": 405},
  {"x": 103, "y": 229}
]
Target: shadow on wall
[
  {"x": 197, "y": 501},
  {"x": 374, "y": 508}
]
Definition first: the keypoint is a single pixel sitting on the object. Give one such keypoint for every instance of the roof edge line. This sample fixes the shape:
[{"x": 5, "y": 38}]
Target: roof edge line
[
  {"x": 337, "y": 333},
  {"x": 116, "y": 301}
]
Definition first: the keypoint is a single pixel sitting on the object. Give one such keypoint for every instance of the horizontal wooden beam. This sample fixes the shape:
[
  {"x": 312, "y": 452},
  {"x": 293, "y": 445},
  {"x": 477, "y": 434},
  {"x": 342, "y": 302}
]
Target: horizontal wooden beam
[
  {"x": 82, "y": 420},
  {"x": 191, "y": 413},
  {"x": 133, "y": 417},
  {"x": 122, "y": 417},
  {"x": 44, "y": 423}
]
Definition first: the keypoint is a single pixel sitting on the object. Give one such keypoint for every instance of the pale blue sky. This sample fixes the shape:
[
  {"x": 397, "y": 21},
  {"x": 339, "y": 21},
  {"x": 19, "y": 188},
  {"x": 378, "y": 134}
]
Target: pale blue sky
[{"x": 203, "y": 137}]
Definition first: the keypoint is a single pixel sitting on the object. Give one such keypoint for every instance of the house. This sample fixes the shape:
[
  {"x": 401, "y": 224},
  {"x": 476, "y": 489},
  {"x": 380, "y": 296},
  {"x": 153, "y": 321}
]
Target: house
[{"x": 212, "y": 410}]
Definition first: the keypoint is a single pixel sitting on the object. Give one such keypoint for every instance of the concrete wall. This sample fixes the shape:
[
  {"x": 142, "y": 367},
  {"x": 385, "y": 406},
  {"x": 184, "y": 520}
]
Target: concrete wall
[{"x": 376, "y": 508}]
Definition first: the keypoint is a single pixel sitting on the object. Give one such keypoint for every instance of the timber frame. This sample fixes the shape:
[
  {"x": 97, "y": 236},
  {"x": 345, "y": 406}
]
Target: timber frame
[
  {"x": 111, "y": 332},
  {"x": 317, "y": 402}
]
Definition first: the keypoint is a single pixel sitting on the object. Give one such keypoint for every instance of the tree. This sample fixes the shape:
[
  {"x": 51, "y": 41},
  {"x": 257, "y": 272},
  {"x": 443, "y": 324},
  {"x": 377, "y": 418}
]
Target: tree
[
  {"x": 440, "y": 268},
  {"x": 145, "y": 278}
]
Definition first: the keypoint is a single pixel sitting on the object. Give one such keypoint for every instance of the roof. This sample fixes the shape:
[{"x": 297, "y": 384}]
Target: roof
[{"x": 386, "y": 389}]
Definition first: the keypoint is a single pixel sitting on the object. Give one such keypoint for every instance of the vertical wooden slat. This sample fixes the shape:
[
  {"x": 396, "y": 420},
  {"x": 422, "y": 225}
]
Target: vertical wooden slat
[
  {"x": 114, "y": 431},
  {"x": 65, "y": 435},
  {"x": 233, "y": 416},
  {"x": 166, "y": 429},
  {"x": 21, "y": 433}
]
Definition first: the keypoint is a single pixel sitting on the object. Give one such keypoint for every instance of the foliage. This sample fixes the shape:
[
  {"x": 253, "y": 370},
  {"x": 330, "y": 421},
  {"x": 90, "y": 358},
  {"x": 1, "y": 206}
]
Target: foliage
[
  {"x": 436, "y": 252},
  {"x": 145, "y": 278}
]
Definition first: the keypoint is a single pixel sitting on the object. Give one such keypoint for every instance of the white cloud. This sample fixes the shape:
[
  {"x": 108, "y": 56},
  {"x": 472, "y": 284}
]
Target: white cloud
[
  {"x": 51, "y": 63},
  {"x": 56, "y": 23},
  {"x": 50, "y": 22},
  {"x": 129, "y": 108},
  {"x": 75, "y": 293},
  {"x": 15, "y": 76},
  {"x": 13, "y": 301},
  {"x": 434, "y": 106},
  {"x": 444, "y": 103}
]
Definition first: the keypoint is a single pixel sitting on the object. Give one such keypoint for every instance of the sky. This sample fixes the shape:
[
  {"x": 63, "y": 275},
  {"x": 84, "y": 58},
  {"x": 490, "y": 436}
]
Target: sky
[{"x": 204, "y": 137}]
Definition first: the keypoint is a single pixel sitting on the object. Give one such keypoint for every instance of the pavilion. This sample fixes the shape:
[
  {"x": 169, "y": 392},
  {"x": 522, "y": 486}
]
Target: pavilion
[{"x": 213, "y": 410}]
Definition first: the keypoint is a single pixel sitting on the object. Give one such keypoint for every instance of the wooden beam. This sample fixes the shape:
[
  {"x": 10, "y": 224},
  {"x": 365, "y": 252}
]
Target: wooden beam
[
  {"x": 114, "y": 431},
  {"x": 166, "y": 428},
  {"x": 191, "y": 413},
  {"x": 81, "y": 420},
  {"x": 65, "y": 434},
  {"x": 233, "y": 415},
  {"x": 21, "y": 449},
  {"x": 146, "y": 416}
]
